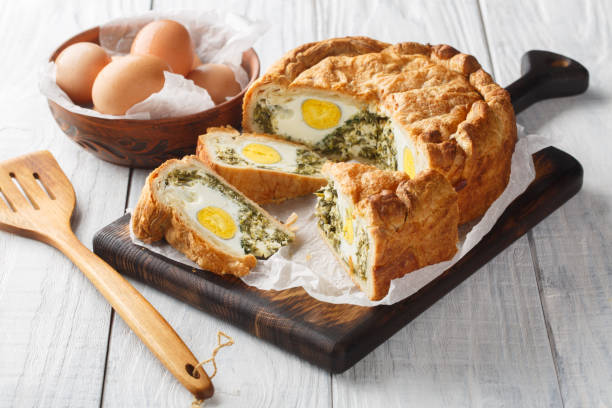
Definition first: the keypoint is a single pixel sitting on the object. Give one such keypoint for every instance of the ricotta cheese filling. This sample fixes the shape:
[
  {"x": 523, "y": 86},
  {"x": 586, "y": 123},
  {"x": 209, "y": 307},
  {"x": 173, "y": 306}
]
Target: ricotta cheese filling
[{"x": 221, "y": 214}]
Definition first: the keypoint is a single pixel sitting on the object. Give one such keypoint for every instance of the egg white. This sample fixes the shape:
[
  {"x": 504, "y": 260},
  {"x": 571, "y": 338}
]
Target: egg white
[
  {"x": 403, "y": 141},
  {"x": 287, "y": 151},
  {"x": 289, "y": 121},
  {"x": 191, "y": 199}
]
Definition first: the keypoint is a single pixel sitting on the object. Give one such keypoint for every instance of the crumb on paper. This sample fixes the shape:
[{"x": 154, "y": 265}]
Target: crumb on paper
[
  {"x": 308, "y": 257},
  {"x": 291, "y": 219}
]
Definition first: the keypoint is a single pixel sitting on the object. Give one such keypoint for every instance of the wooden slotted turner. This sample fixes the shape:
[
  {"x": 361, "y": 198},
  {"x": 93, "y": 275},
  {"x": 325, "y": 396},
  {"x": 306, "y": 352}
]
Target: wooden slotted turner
[{"x": 42, "y": 211}]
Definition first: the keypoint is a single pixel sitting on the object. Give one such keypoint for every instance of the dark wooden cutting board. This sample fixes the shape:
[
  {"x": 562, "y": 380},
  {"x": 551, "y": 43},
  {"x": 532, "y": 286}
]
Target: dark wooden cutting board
[{"x": 333, "y": 336}]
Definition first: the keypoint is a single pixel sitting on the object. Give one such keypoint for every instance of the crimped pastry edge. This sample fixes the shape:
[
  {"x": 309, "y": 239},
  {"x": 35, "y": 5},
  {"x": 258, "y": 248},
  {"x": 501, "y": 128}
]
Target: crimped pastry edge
[{"x": 396, "y": 214}]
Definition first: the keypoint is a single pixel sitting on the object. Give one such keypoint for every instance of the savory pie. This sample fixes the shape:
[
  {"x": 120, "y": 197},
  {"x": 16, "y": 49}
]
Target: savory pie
[
  {"x": 205, "y": 218},
  {"x": 263, "y": 167},
  {"x": 383, "y": 224},
  {"x": 407, "y": 107}
]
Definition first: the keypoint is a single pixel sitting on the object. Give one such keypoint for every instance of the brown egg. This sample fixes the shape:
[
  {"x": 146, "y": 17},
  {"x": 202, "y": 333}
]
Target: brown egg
[
  {"x": 217, "y": 79},
  {"x": 77, "y": 67},
  {"x": 127, "y": 81},
  {"x": 167, "y": 40}
]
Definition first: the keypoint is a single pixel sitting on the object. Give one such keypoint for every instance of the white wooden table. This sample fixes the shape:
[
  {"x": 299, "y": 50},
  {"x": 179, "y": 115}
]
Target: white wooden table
[{"x": 531, "y": 328}]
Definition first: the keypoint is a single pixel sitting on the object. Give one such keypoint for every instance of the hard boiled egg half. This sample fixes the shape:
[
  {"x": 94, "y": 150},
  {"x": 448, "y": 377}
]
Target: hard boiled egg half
[
  {"x": 216, "y": 214},
  {"x": 308, "y": 118}
]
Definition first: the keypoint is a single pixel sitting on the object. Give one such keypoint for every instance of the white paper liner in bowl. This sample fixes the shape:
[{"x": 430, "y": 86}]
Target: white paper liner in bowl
[
  {"x": 218, "y": 38},
  {"x": 308, "y": 262}
]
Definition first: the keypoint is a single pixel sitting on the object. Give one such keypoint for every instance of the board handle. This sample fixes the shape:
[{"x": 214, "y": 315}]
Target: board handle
[{"x": 546, "y": 75}]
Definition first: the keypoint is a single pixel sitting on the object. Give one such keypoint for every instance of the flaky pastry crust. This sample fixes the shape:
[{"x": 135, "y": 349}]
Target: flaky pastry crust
[
  {"x": 411, "y": 223},
  {"x": 456, "y": 117},
  {"x": 260, "y": 185}
]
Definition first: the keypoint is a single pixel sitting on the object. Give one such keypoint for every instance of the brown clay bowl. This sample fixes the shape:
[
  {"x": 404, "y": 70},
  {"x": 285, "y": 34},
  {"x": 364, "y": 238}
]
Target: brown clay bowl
[{"x": 146, "y": 143}]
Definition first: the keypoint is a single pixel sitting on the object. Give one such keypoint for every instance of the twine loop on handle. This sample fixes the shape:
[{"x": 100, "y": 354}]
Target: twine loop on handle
[{"x": 220, "y": 344}]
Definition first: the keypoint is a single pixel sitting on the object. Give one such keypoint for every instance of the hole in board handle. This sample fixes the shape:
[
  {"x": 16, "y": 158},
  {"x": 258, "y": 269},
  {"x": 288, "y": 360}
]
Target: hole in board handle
[{"x": 191, "y": 372}]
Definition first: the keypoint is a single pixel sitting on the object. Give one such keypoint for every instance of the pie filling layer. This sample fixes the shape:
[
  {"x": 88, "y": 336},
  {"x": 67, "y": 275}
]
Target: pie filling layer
[
  {"x": 349, "y": 132},
  {"x": 345, "y": 231},
  {"x": 220, "y": 214},
  {"x": 263, "y": 153}
]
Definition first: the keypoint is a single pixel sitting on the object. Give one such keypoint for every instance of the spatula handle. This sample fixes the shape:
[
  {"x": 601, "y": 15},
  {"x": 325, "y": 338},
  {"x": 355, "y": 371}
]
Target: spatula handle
[{"x": 154, "y": 331}]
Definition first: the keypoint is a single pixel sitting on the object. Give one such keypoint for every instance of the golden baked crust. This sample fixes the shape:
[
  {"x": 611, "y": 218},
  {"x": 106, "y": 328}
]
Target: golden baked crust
[
  {"x": 260, "y": 185},
  {"x": 411, "y": 223},
  {"x": 153, "y": 220},
  {"x": 459, "y": 121}
]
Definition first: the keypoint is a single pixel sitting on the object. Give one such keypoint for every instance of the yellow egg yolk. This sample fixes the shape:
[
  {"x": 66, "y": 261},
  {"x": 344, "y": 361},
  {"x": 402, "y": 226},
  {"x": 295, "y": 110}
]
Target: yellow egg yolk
[
  {"x": 261, "y": 154},
  {"x": 409, "y": 163},
  {"x": 347, "y": 229},
  {"x": 217, "y": 221},
  {"x": 320, "y": 114}
]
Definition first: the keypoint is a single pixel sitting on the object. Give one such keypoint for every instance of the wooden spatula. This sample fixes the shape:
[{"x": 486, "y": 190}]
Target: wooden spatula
[{"x": 36, "y": 201}]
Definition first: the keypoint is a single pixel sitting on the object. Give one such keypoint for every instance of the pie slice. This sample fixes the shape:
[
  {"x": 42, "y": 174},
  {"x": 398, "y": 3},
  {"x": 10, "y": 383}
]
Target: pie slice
[
  {"x": 382, "y": 225},
  {"x": 205, "y": 218},
  {"x": 407, "y": 107},
  {"x": 265, "y": 168}
]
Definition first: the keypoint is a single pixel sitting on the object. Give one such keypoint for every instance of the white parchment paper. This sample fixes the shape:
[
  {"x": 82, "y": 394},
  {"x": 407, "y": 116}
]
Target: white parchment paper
[
  {"x": 308, "y": 261},
  {"x": 218, "y": 38}
]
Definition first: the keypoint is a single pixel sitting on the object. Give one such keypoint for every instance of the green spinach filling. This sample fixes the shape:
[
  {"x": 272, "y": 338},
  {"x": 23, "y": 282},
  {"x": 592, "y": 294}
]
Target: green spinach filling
[
  {"x": 357, "y": 137},
  {"x": 363, "y": 249},
  {"x": 308, "y": 162},
  {"x": 259, "y": 236},
  {"x": 228, "y": 155},
  {"x": 386, "y": 152},
  {"x": 365, "y": 135},
  {"x": 262, "y": 115},
  {"x": 328, "y": 215}
]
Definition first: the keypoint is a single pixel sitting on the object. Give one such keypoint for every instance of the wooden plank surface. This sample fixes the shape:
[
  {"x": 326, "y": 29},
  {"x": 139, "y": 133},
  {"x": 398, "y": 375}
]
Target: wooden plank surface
[
  {"x": 572, "y": 248},
  {"x": 53, "y": 323}
]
